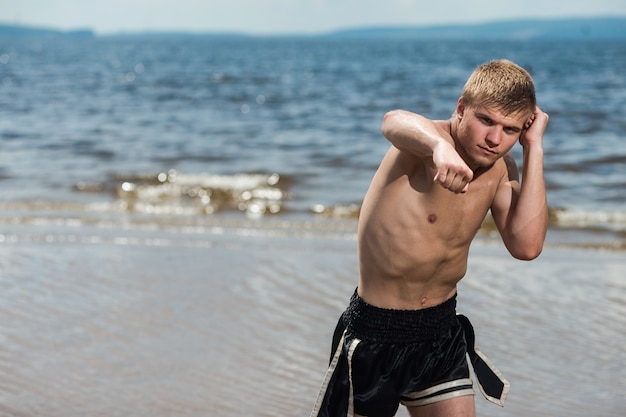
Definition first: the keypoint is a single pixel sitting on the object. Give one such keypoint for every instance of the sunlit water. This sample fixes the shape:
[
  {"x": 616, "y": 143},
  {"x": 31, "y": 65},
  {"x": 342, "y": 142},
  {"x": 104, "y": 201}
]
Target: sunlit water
[{"x": 188, "y": 126}]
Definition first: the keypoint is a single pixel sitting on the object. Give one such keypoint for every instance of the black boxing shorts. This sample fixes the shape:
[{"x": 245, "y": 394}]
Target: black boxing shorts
[{"x": 382, "y": 358}]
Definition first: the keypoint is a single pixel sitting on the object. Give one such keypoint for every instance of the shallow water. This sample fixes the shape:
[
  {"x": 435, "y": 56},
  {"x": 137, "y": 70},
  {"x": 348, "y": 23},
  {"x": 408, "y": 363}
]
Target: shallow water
[{"x": 238, "y": 321}]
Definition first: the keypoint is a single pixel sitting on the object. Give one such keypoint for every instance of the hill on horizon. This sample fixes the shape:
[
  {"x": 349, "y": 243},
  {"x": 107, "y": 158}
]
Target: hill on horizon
[
  {"x": 593, "y": 28},
  {"x": 523, "y": 29}
]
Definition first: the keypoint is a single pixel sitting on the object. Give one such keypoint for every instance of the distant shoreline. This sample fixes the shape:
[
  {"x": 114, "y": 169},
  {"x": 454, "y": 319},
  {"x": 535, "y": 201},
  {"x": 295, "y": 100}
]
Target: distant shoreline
[{"x": 596, "y": 28}]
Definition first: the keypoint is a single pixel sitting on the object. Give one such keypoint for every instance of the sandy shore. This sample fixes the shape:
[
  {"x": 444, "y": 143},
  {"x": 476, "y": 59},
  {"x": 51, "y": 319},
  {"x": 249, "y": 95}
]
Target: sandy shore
[{"x": 152, "y": 323}]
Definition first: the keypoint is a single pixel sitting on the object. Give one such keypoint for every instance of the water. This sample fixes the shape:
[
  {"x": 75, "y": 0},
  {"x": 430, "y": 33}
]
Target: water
[
  {"x": 82, "y": 119},
  {"x": 177, "y": 221}
]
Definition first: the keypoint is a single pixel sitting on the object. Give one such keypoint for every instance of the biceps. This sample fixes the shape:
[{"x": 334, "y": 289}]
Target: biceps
[{"x": 504, "y": 203}]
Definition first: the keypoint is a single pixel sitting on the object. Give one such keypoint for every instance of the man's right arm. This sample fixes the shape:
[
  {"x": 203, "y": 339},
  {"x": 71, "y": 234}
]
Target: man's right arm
[
  {"x": 424, "y": 139},
  {"x": 411, "y": 132}
]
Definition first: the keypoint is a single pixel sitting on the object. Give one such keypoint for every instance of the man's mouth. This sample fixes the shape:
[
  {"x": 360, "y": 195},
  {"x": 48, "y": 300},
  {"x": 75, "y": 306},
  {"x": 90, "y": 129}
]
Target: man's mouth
[{"x": 487, "y": 151}]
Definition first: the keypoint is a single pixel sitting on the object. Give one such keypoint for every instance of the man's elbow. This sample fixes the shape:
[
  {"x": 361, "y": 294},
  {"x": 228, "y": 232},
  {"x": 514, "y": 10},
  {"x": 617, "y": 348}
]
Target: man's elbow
[
  {"x": 391, "y": 114},
  {"x": 389, "y": 121},
  {"x": 528, "y": 252}
]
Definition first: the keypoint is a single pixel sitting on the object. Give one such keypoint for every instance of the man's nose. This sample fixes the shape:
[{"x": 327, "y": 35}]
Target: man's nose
[{"x": 494, "y": 136}]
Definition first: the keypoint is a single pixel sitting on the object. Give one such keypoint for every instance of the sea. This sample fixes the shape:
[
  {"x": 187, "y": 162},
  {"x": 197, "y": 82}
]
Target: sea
[{"x": 178, "y": 219}]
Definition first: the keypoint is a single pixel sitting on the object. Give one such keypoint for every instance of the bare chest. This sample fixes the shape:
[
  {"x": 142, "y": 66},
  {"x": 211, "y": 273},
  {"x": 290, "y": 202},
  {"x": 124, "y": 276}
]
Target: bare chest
[{"x": 442, "y": 214}]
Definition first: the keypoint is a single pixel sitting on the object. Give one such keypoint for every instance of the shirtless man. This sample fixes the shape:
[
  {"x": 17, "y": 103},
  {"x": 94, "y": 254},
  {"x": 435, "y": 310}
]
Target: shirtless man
[{"x": 400, "y": 341}]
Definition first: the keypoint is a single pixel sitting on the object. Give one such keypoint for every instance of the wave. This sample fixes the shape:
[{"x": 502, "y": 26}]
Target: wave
[
  {"x": 243, "y": 203},
  {"x": 575, "y": 218},
  {"x": 185, "y": 194}
]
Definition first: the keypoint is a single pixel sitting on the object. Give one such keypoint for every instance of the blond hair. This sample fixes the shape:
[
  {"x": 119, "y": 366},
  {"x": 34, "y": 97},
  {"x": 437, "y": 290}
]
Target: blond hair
[{"x": 503, "y": 85}]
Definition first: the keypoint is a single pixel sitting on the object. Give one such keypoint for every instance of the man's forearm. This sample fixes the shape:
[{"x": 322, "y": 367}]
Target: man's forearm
[{"x": 529, "y": 222}]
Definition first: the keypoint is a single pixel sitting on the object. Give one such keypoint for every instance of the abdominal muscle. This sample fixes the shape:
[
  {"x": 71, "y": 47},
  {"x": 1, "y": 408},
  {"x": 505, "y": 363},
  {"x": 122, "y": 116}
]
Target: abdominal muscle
[{"x": 409, "y": 278}]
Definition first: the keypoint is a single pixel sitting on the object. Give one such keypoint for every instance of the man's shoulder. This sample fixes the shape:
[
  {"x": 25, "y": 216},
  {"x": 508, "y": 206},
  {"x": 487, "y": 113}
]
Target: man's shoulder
[
  {"x": 509, "y": 167},
  {"x": 444, "y": 128},
  {"x": 503, "y": 170}
]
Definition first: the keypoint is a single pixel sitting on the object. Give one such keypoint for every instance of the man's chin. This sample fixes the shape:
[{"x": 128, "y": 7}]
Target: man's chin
[{"x": 482, "y": 165}]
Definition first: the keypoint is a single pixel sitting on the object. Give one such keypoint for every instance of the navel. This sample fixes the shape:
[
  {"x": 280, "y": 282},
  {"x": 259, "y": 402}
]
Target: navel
[{"x": 432, "y": 218}]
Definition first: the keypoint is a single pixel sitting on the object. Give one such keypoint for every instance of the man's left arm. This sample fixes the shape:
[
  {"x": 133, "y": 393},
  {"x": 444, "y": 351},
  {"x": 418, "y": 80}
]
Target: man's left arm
[{"x": 521, "y": 211}]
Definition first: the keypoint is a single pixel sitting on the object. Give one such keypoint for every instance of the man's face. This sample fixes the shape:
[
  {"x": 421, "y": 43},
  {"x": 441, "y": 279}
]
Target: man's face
[{"x": 486, "y": 134}]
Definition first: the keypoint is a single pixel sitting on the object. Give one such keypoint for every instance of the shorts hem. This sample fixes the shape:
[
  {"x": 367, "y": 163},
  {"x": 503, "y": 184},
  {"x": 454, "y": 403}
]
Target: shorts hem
[{"x": 440, "y": 392}]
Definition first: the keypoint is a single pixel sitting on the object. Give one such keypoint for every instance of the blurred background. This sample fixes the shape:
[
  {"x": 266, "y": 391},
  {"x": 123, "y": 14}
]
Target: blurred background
[{"x": 181, "y": 181}]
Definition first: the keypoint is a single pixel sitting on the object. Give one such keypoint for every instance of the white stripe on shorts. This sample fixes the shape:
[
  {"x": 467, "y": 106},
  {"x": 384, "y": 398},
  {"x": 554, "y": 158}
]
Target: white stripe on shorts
[
  {"x": 439, "y": 392},
  {"x": 329, "y": 374}
]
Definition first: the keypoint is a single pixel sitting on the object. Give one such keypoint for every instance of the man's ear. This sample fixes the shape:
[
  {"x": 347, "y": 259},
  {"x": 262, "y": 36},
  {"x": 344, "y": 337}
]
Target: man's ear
[{"x": 460, "y": 108}]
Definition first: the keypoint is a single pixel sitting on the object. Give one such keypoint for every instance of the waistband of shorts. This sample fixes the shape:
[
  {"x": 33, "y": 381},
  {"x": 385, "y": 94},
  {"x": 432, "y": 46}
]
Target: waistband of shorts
[{"x": 383, "y": 325}]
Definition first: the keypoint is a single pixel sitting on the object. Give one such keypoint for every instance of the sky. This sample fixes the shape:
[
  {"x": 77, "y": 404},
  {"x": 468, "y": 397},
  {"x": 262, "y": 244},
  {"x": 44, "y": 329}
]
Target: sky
[{"x": 266, "y": 17}]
